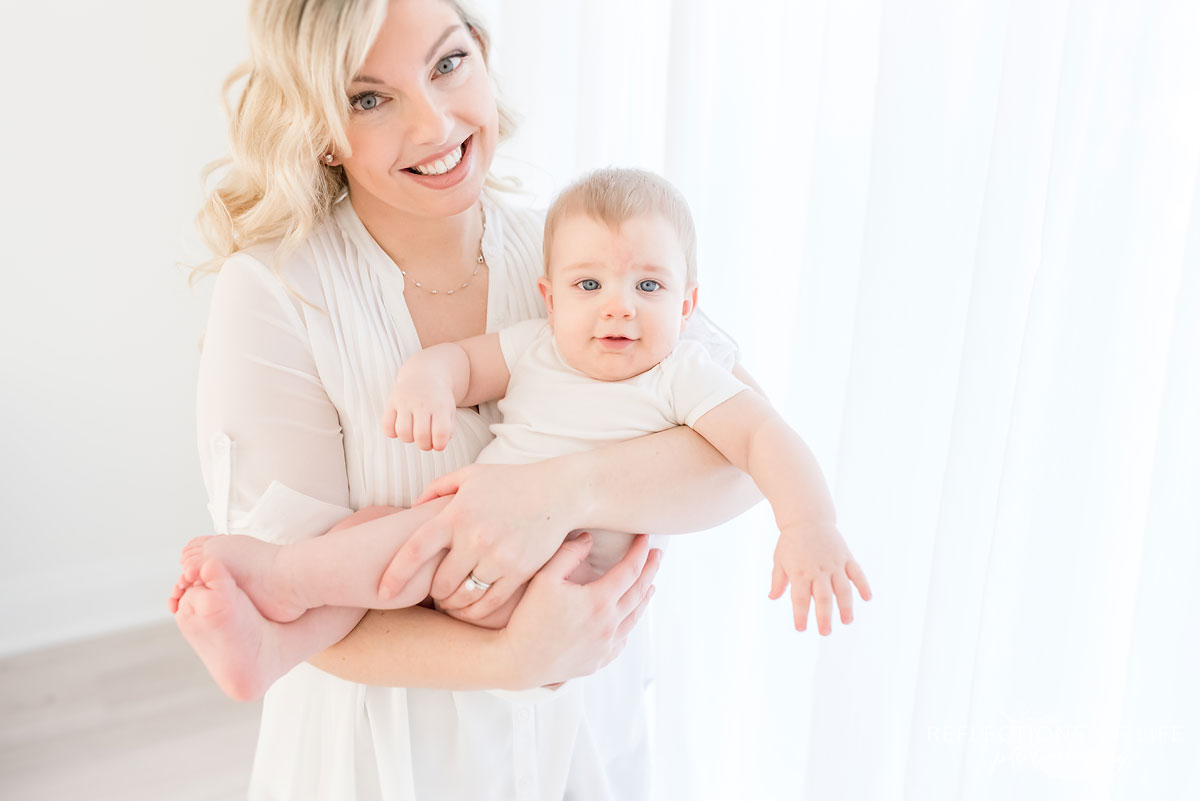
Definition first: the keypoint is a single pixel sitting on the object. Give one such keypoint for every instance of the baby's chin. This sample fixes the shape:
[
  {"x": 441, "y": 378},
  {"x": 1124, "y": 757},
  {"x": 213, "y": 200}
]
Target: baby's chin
[{"x": 597, "y": 370}]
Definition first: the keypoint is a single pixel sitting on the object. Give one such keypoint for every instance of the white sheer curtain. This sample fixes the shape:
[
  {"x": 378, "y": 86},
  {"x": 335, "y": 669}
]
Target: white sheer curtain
[{"x": 959, "y": 244}]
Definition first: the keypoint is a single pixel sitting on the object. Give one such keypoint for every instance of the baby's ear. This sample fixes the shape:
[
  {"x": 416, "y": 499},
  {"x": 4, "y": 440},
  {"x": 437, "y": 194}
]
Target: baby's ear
[
  {"x": 547, "y": 296},
  {"x": 689, "y": 306}
]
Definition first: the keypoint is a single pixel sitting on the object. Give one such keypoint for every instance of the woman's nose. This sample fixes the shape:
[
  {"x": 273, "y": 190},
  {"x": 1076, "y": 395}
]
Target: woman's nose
[{"x": 429, "y": 120}]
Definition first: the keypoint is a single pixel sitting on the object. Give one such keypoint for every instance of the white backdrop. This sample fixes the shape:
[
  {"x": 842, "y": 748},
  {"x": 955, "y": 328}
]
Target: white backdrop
[{"x": 959, "y": 245}]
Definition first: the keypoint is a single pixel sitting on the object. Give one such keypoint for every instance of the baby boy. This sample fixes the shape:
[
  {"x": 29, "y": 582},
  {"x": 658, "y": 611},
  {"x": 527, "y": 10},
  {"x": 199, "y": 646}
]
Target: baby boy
[{"x": 607, "y": 365}]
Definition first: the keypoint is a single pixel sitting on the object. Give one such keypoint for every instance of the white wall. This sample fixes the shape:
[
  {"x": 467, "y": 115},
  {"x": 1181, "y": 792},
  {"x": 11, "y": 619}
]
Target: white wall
[{"x": 111, "y": 109}]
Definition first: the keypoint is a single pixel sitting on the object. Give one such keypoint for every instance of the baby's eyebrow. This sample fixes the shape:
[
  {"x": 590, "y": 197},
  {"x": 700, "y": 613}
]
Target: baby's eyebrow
[{"x": 580, "y": 266}]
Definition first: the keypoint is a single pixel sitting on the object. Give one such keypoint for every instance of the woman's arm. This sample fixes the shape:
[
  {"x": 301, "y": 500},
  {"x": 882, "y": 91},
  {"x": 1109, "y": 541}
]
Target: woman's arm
[
  {"x": 275, "y": 468},
  {"x": 670, "y": 482},
  {"x": 558, "y": 631}
]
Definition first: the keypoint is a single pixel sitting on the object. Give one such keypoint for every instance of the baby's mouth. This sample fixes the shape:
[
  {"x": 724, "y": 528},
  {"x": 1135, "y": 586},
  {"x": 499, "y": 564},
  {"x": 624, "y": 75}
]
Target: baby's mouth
[{"x": 442, "y": 165}]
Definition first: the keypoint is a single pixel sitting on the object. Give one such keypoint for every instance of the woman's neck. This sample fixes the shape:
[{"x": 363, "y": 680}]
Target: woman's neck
[{"x": 423, "y": 245}]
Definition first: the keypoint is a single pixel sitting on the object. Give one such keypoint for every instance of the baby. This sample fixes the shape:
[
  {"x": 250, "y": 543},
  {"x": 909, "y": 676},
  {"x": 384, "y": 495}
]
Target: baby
[{"x": 607, "y": 365}]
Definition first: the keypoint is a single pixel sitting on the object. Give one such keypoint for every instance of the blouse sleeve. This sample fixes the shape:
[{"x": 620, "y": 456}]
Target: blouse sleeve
[
  {"x": 270, "y": 439},
  {"x": 720, "y": 346}
]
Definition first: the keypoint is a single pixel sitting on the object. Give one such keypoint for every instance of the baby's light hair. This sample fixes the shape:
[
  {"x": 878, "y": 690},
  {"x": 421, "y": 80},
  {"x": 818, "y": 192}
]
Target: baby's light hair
[
  {"x": 291, "y": 110},
  {"x": 613, "y": 195}
]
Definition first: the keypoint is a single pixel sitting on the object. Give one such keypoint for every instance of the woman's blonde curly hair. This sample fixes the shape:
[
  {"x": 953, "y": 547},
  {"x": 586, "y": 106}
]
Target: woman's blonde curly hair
[{"x": 293, "y": 109}]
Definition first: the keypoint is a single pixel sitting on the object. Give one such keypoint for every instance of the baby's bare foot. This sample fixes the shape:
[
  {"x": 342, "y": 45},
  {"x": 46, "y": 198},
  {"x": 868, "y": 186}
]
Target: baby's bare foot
[
  {"x": 181, "y": 586},
  {"x": 257, "y": 568},
  {"x": 233, "y": 640}
]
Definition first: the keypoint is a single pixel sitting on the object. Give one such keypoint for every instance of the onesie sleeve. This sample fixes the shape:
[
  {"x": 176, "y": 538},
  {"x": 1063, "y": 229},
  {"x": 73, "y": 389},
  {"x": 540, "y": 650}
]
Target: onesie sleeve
[
  {"x": 270, "y": 439},
  {"x": 697, "y": 383},
  {"x": 516, "y": 339}
]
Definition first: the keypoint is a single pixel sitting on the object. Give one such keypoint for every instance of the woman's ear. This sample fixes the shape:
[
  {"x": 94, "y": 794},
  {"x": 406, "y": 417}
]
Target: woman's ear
[
  {"x": 547, "y": 296},
  {"x": 689, "y": 306}
]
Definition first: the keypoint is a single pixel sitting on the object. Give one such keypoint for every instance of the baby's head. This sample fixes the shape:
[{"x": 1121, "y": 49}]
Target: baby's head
[{"x": 620, "y": 282}]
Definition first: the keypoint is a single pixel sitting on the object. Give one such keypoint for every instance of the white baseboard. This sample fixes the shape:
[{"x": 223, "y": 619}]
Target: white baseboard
[{"x": 43, "y": 608}]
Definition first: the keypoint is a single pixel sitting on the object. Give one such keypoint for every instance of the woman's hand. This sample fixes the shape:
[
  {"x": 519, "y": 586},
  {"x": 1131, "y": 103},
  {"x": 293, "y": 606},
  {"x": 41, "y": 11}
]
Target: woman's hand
[
  {"x": 561, "y": 630},
  {"x": 503, "y": 524}
]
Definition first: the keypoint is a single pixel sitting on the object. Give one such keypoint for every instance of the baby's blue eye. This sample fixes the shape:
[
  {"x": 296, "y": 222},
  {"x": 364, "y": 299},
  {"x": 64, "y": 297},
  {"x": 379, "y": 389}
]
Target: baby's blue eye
[
  {"x": 449, "y": 64},
  {"x": 589, "y": 284},
  {"x": 648, "y": 285}
]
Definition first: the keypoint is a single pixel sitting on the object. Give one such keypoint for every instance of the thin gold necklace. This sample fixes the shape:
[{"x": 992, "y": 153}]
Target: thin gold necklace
[{"x": 479, "y": 262}]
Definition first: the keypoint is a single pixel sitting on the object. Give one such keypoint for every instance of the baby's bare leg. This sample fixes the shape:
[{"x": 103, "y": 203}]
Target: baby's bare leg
[
  {"x": 244, "y": 652},
  {"x": 340, "y": 568}
]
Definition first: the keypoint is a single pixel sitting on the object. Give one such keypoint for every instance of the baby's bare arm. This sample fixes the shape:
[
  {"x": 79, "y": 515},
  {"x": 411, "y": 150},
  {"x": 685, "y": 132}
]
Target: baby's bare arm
[
  {"x": 432, "y": 383},
  {"x": 811, "y": 554},
  {"x": 756, "y": 439}
]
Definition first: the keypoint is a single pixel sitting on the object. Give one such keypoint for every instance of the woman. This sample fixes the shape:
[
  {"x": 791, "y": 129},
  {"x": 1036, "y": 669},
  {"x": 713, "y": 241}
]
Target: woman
[{"x": 354, "y": 203}]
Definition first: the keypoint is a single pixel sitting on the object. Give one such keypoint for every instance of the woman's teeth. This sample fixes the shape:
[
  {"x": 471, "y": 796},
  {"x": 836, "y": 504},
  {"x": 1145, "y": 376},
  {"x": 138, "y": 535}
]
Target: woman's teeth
[{"x": 442, "y": 165}]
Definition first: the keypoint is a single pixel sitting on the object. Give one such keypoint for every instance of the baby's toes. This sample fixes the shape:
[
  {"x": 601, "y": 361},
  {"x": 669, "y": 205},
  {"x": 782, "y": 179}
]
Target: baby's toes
[{"x": 192, "y": 557}]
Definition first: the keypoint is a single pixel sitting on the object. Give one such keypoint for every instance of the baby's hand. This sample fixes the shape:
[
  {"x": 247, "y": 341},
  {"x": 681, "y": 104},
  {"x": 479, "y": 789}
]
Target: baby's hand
[
  {"x": 420, "y": 409},
  {"x": 814, "y": 559}
]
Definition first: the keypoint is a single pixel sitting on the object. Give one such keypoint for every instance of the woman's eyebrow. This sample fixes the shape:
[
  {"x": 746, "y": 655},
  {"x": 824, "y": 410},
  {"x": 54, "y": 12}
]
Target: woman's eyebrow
[
  {"x": 429, "y": 57},
  {"x": 433, "y": 50}
]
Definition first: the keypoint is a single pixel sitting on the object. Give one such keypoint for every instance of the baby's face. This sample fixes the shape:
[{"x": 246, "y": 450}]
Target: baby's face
[{"x": 617, "y": 298}]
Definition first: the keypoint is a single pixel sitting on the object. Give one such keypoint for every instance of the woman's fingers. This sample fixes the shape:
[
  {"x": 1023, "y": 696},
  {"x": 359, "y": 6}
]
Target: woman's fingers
[
  {"x": 634, "y": 595},
  {"x": 492, "y": 599},
  {"x": 621, "y": 576},
  {"x": 450, "y": 578},
  {"x": 422, "y": 546},
  {"x": 634, "y": 616},
  {"x": 442, "y": 485},
  {"x": 568, "y": 557}
]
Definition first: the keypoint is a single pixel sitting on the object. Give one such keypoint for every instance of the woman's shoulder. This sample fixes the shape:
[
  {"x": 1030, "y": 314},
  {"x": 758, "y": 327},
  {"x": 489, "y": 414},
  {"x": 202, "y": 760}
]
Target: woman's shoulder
[{"x": 295, "y": 270}]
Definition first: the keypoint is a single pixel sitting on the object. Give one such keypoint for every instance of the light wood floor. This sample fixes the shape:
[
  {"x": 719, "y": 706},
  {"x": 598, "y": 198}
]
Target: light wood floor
[{"x": 127, "y": 717}]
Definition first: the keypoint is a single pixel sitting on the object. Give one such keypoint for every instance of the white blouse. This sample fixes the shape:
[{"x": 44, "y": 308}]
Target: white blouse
[{"x": 288, "y": 405}]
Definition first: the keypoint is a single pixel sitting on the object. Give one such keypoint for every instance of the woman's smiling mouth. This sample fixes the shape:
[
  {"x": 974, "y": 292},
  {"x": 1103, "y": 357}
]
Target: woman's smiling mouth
[{"x": 442, "y": 164}]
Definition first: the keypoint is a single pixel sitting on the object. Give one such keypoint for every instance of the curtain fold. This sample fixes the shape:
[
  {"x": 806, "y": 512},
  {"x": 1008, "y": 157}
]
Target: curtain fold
[{"x": 959, "y": 245}]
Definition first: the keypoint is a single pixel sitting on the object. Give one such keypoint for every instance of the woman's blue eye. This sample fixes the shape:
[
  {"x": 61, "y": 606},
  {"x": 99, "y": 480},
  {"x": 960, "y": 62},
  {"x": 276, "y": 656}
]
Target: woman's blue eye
[
  {"x": 365, "y": 102},
  {"x": 589, "y": 284},
  {"x": 648, "y": 285},
  {"x": 449, "y": 64}
]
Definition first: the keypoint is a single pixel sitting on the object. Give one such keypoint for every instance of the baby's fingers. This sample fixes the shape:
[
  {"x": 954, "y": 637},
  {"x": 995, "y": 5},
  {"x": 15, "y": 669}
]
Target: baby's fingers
[
  {"x": 822, "y": 594},
  {"x": 845, "y": 597},
  {"x": 859, "y": 578},
  {"x": 779, "y": 582},
  {"x": 442, "y": 427},
  {"x": 388, "y": 421},
  {"x": 801, "y": 595},
  {"x": 422, "y": 431},
  {"x": 404, "y": 426}
]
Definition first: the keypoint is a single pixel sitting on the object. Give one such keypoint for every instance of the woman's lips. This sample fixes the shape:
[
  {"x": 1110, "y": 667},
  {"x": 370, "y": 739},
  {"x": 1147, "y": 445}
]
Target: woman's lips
[{"x": 452, "y": 176}]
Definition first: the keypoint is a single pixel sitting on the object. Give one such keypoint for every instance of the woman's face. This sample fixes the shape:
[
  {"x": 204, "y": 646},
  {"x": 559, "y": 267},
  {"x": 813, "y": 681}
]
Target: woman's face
[{"x": 423, "y": 118}]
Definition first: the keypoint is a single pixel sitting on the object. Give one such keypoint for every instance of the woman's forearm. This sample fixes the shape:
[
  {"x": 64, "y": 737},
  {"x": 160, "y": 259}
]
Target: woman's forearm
[
  {"x": 420, "y": 647},
  {"x": 671, "y": 482}
]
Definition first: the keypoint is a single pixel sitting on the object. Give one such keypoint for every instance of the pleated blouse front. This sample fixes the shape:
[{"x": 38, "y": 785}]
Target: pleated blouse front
[{"x": 291, "y": 388}]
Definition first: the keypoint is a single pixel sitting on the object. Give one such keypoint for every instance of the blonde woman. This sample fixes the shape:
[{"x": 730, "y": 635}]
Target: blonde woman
[{"x": 355, "y": 223}]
